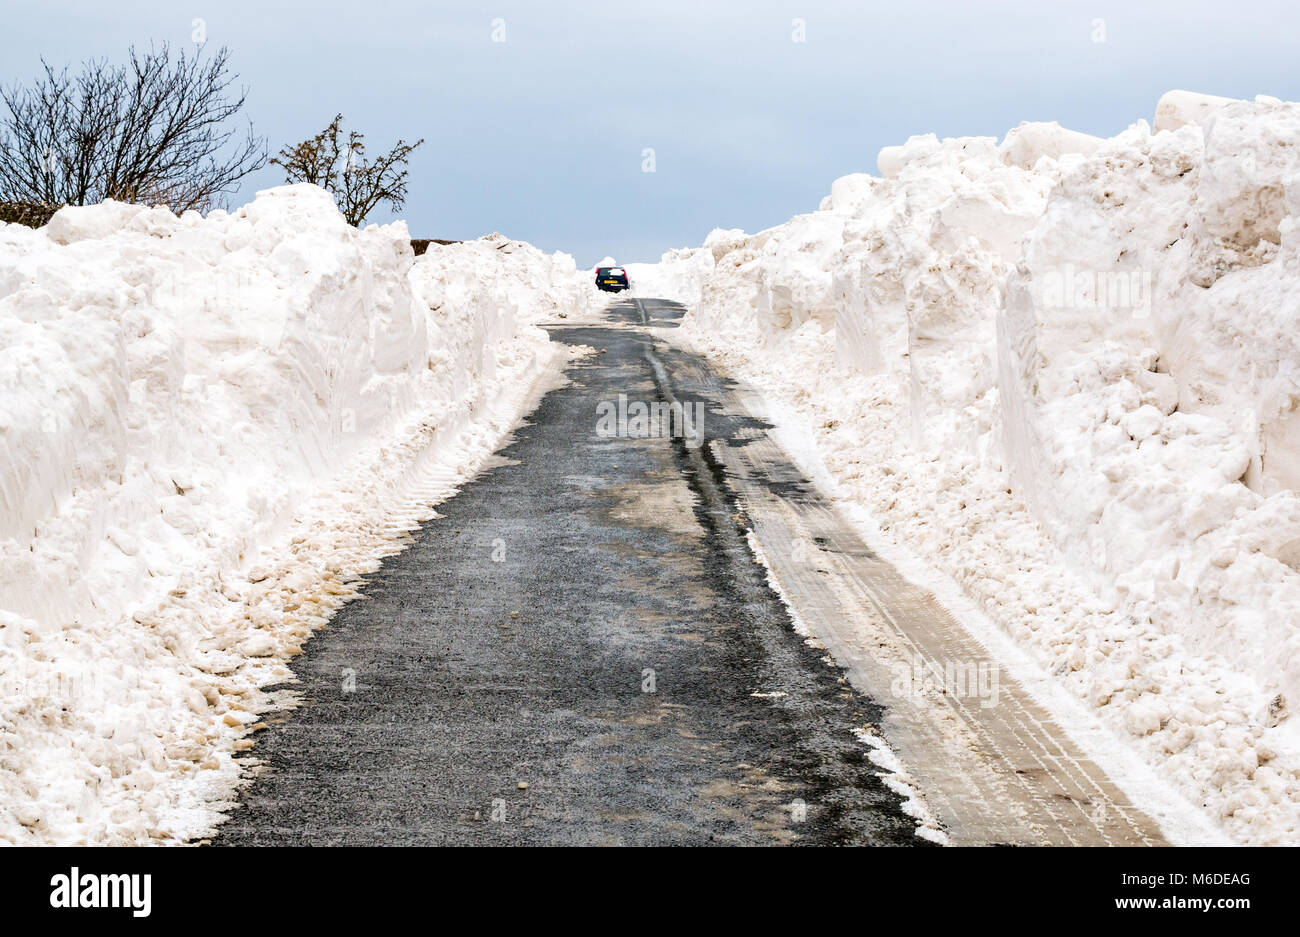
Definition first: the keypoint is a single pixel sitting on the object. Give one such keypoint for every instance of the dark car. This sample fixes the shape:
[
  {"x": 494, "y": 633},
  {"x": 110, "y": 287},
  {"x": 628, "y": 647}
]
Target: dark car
[{"x": 611, "y": 279}]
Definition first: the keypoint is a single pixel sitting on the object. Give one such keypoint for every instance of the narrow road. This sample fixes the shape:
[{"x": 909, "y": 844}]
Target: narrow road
[{"x": 581, "y": 649}]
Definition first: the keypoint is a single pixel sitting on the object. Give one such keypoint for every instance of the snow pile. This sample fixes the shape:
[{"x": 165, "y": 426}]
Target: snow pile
[
  {"x": 495, "y": 272},
  {"x": 209, "y": 429},
  {"x": 1064, "y": 370},
  {"x": 679, "y": 276}
]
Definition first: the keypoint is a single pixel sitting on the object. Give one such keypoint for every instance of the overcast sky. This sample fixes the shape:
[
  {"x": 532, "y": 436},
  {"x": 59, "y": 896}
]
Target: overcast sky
[{"x": 541, "y": 136}]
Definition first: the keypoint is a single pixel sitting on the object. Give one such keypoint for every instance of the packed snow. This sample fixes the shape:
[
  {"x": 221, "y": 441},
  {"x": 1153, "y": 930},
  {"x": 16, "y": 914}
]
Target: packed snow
[
  {"x": 1063, "y": 369},
  {"x": 210, "y": 429}
]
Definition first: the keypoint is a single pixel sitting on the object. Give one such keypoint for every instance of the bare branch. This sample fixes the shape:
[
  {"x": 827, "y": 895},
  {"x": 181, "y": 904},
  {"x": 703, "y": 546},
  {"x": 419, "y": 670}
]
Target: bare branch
[
  {"x": 158, "y": 129},
  {"x": 339, "y": 166}
]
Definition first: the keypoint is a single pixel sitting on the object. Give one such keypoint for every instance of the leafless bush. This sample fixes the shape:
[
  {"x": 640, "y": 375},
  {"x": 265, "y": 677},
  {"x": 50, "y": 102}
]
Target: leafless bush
[
  {"x": 339, "y": 166},
  {"x": 31, "y": 214},
  {"x": 157, "y": 130}
]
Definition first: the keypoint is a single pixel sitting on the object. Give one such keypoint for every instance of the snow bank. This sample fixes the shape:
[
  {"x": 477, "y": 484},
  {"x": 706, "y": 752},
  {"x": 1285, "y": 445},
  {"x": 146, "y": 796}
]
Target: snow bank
[
  {"x": 678, "y": 276},
  {"x": 209, "y": 428},
  {"x": 1064, "y": 369}
]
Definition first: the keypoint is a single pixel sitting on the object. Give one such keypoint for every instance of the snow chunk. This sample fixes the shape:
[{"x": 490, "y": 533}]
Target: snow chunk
[
  {"x": 1026, "y": 144},
  {"x": 1179, "y": 108}
]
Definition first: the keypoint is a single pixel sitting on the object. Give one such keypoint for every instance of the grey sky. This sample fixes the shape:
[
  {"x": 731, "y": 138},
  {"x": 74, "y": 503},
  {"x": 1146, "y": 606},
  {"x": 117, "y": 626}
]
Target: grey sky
[{"x": 541, "y": 136}]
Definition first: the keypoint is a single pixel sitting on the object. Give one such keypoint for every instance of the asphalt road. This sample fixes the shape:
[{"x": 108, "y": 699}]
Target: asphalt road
[{"x": 581, "y": 649}]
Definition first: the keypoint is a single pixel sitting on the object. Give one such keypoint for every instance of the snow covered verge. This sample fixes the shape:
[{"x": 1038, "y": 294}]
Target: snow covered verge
[
  {"x": 1066, "y": 371},
  {"x": 210, "y": 428}
]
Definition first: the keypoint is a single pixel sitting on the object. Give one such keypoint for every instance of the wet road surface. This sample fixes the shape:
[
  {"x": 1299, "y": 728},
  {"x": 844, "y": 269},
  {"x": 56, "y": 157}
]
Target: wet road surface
[{"x": 581, "y": 649}]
